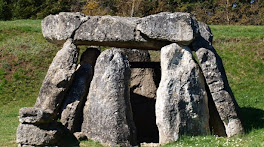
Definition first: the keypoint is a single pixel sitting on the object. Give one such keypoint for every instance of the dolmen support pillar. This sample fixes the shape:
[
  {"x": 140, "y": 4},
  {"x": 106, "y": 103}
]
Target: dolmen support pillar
[
  {"x": 58, "y": 78},
  {"x": 38, "y": 125},
  {"x": 93, "y": 96},
  {"x": 107, "y": 112},
  {"x": 182, "y": 104},
  {"x": 215, "y": 77}
]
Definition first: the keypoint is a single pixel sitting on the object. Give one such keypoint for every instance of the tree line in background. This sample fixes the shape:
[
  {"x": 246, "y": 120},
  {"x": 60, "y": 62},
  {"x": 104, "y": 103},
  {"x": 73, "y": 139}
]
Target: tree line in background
[{"x": 241, "y": 12}]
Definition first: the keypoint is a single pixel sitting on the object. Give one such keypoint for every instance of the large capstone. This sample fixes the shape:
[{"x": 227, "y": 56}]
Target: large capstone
[
  {"x": 71, "y": 116},
  {"x": 107, "y": 112},
  {"x": 58, "y": 78},
  {"x": 152, "y": 32},
  {"x": 181, "y": 106},
  {"x": 215, "y": 76}
]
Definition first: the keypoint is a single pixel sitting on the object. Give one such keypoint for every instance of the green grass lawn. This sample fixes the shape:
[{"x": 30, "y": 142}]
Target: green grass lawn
[{"x": 25, "y": 56}]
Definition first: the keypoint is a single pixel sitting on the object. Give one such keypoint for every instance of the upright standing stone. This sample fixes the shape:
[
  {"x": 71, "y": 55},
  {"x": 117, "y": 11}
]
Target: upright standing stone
[
  {"x": 58, "y": 78},
  {"x": 107, "y": 112},
  {"x": 71, "y": 116},
  {"x": 215, "y": 76},
  {"x": 181, "y": 106}
]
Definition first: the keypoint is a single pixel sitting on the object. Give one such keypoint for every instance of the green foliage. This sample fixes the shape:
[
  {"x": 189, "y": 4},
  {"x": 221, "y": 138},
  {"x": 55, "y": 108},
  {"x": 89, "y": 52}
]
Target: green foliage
[
  {"x": 241, "y": 12},
  {"x": 5, "y": 10},
  {"x": 53, "y": 7},
  {"x": 210, "y": 12},
  {"x": 26, "y": 8}
]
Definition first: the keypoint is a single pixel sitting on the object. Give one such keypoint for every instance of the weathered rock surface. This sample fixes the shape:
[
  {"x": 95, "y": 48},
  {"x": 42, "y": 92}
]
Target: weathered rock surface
[
  {"x": 107, "y": 29},
  {"x": 174, "y": 27},
  {"x": 58, "y": 78},
  {"x": 44, "y": 135},
  {"x": 107, "y": 112},
  {"x": 59, "y": 28},
  {"x": 34, "y": 115},
  {"x": 181, "y": 105},
  {"x": 215, "y": 76},
  {"x": 152, "y": 32},
  {"x": 71, "y": 116}
]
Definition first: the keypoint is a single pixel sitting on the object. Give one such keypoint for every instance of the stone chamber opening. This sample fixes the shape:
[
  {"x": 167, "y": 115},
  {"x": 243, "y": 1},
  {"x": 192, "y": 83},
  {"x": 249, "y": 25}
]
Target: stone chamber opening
[{"x": 143, "y": 107}]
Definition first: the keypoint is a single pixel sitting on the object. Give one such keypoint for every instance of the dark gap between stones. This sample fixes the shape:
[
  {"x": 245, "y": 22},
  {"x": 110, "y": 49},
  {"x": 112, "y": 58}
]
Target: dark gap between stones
[
  {"x": 143, "y": 108},
  {"x": 215, "y": 122}
]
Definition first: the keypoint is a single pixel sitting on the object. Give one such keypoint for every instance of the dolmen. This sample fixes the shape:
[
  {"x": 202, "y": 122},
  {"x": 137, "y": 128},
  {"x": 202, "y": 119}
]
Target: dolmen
[{"x": 116, "y": 97}]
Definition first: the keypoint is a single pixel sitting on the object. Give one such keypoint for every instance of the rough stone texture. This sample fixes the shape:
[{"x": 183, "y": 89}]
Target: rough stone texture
[
  {"x": 181, "y": 105},
  {"x": 152, "y": 32},
  {"x": 44, "y": 135},
  {"x": 59, "y": 28},
  {"x": 34, "y": 115},
  {"x": 90, "y": 55},
  {"x": 175, "y": 27},
  {"x": 215, "y": 76},
  {"x": 142, "y": 82},
  {"x": 107, "y": 29},
  {"x": 33, "y": 135},
  {"x": 71, "y": 116},
  {"x": 58, "y": 78},
  {"x": 182, "y": 101},
  {"x": 107, "y": 112}
]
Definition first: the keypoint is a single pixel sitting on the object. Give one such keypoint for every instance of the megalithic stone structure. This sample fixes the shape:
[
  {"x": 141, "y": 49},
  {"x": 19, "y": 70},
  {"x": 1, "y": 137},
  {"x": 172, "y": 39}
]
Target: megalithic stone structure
[{"x": 188, "y": 96}]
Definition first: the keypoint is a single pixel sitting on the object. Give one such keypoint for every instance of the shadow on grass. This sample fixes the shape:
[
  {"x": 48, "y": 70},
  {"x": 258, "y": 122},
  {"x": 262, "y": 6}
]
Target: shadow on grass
[{"x": 252, "y": 118}]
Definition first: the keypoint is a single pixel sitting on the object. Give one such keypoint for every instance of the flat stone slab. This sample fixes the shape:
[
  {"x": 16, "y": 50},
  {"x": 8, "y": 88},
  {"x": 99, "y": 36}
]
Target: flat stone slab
[
  {"x": 44, "y": 135},
  {"x": 151, "y": 32},
  {"x": 34, "y": 115}
]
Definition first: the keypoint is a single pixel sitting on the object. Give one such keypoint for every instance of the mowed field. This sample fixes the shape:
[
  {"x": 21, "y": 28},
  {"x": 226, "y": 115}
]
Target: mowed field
[{"x": 25, "y": 57}]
